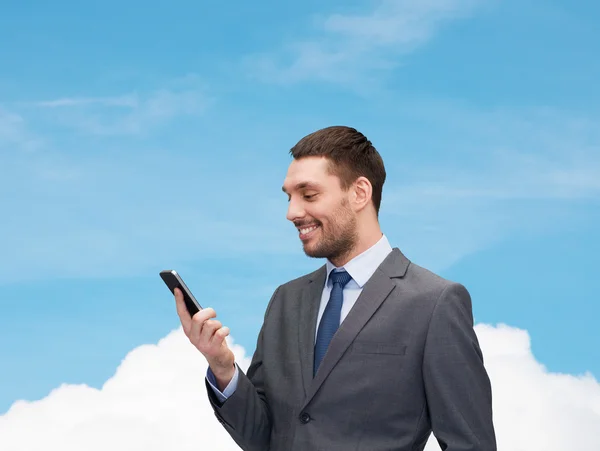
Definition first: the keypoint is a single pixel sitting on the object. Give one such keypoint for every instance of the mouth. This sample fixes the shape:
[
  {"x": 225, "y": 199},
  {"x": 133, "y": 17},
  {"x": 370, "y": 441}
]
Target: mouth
[{"x": 307, "y": 231}]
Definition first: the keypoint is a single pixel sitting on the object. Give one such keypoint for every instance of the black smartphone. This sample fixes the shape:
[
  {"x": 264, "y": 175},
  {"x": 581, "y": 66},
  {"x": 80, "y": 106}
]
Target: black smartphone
[{"x": 174, "y": 280}]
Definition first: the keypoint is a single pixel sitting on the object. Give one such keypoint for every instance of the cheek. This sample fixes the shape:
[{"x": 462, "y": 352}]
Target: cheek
[
  {"x": 328, "y": 213},
  {"x": 318, "y": 212}
]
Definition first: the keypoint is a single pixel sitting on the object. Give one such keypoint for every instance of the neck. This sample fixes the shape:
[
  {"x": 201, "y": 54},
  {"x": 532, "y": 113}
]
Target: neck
[{"x": 368, "y": 236}]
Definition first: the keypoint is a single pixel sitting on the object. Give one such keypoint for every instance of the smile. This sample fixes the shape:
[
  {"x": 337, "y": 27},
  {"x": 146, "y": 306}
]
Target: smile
[{"x": 305, "y": 232}]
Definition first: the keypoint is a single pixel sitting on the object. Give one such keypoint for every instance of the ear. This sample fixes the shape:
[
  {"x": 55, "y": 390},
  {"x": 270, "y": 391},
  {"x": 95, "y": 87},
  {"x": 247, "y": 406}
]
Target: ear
[{"x": 362, "y": 193}]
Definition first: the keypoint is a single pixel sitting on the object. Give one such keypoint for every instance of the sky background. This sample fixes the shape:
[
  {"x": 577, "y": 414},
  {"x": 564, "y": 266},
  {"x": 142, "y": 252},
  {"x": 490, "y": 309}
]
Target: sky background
[{"x": 137, "y": 137}]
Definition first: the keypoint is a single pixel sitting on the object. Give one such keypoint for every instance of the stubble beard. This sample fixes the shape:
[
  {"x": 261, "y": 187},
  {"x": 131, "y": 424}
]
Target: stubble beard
[{"x": 339, "y": 239}]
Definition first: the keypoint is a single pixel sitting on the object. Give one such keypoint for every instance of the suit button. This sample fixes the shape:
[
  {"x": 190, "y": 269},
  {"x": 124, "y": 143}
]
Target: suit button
[{"x": 304, "y": 418}]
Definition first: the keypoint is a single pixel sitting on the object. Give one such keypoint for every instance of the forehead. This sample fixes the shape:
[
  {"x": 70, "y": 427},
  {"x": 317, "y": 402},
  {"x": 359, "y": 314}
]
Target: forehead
[{"x": 308, "y": 172}]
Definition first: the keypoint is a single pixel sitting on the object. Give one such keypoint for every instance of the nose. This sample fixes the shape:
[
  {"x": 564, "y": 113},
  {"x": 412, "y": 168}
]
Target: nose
[{"x": 295, "y": 210}]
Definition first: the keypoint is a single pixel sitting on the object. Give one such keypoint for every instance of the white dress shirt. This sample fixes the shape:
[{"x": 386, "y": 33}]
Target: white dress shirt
[{"x": 360, "y": 268}]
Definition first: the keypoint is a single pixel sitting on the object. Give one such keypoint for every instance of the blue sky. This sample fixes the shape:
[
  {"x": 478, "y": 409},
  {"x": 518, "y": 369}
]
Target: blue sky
[{"x": 135, "y": 138}]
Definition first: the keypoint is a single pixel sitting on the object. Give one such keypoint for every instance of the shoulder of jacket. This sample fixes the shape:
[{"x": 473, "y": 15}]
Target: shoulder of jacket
[
  {"x": 428, "y": 280},
  {"x": 301, "y": 281}
]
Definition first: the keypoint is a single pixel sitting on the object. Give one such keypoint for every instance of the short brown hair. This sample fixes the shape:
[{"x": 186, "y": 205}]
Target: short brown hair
[{"x": 351, "y": 156}]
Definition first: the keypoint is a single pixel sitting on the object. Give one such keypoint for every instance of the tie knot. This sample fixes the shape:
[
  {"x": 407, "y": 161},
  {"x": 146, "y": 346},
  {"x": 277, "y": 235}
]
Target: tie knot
[{"x": 341, "y": 277}]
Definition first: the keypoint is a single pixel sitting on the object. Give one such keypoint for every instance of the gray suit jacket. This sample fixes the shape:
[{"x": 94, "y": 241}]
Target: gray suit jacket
[{"x": 404, "y": 362}]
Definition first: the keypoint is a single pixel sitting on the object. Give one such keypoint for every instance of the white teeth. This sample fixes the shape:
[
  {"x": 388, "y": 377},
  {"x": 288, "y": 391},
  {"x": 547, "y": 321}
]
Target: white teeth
[{"x": 307, "y": 230}]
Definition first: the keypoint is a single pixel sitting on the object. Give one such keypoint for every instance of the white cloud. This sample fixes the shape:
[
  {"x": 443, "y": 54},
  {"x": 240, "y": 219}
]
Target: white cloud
[
  {"x": 157, "y": 400},
  {"x": 398, "y": 22},
  {"x": 99, "y": 214},
  {"x": 497, "y": 174},
  {"x": 148, "y": 112},
  {"x": 135, "y": 113},
  {"x": 348, "y": 48},
  {"x": 14, "y": 133},
  {"x": 11, "y": 126},
  {"x": 533, "y": 408},
  {"x": 124, "y": 101},
  {"x": 117, "y": 215}
]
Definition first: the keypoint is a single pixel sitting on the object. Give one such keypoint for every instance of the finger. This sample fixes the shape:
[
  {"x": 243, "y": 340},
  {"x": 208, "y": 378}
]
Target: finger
[
  {"x": 184, "y": 315},
  {"x": 198, "y": 322},
  {"x": 208, "y": 330},
  {"x": 219, "y": 336}
]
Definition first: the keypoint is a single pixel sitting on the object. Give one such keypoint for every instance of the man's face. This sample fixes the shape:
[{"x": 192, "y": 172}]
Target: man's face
[{"x": 320, "y": 209}]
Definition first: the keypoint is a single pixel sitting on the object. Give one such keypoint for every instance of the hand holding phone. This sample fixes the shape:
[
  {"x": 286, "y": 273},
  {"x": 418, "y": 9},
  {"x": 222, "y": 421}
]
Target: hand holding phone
[
  {"x": 204, "y": 332},
  {"x": 174, "y": 280}
]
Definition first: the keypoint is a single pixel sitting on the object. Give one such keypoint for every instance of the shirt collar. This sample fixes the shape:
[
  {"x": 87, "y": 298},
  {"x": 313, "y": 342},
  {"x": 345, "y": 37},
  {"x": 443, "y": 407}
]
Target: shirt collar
[{"x": 362, "y": 267}]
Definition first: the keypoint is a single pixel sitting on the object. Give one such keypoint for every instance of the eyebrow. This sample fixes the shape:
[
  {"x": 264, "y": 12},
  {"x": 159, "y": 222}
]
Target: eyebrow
[{"x": 302, "y": 185}]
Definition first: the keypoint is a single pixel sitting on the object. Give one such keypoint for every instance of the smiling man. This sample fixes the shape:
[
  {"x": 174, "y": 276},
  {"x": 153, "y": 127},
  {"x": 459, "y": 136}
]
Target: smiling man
[{"x": 370, "y": 351}]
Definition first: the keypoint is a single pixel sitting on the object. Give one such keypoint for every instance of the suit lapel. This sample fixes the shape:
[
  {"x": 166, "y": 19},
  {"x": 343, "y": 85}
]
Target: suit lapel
[
  {"x": 375, "y": 291},
  {"x": 309, "y": 309}
]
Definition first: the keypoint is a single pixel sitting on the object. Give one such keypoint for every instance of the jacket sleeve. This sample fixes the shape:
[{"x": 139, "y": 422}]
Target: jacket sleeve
[
  {"x": 245, "y": 414},
  {"x": 229, "y": 390},
  {"x": 457, "y": 386}
]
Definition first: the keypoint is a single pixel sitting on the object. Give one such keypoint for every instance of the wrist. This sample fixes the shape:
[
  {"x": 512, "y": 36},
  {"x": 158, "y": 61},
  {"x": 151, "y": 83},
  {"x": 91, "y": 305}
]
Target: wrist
[{"x": 223, "y": 374}]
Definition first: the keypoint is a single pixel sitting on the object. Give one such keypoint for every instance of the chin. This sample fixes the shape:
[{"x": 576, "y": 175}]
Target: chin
[
  {"x": 314, "y": 252},
  {"x": 311, "y": 251}
]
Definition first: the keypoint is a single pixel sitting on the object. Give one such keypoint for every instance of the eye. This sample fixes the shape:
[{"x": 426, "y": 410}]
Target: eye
[{"x": 309, "y": 196}]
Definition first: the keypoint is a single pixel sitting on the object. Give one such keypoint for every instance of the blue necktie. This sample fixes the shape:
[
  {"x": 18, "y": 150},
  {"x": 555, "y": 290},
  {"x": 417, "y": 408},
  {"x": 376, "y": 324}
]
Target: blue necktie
[{"x": 330, "y": 321}]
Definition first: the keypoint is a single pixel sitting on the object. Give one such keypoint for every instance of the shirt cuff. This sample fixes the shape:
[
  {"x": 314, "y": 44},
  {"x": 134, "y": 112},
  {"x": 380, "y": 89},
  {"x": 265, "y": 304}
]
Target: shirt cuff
[{"x": 229, "y": 390}]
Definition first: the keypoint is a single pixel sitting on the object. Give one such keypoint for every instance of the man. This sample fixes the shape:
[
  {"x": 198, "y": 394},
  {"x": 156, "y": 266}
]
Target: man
[{"x": 369, "y": 352}]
